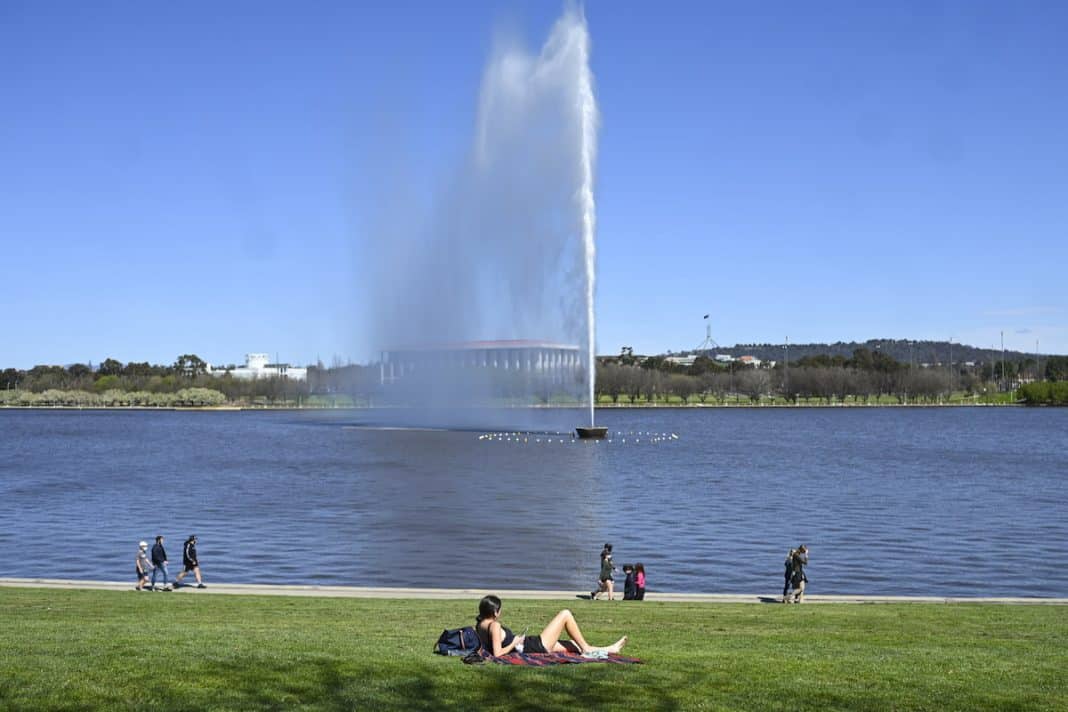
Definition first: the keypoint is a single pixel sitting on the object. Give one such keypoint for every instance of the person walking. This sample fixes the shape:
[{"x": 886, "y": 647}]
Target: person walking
[
  {"x": 144, "y": 566},
  {"x": 639, "y": 581},
  {"x": 159, "y": 563},
  {"x": 605, "y": 581},
  {"x": 189, "y": 562},
  {"x": 788, "y": 573},
  {"x": 798, "y": 578}
]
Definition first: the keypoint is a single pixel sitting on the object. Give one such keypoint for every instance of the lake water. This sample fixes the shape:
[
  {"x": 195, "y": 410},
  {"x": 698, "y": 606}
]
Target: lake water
[{"x": 932, "y": 501}]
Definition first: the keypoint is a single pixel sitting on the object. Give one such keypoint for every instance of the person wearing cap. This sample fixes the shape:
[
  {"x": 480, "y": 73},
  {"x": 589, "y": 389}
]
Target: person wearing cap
[
  {"x": 159, "y": 563},
  {"x": 189, "y": 562},
  {"x": 143, "y": 565}
]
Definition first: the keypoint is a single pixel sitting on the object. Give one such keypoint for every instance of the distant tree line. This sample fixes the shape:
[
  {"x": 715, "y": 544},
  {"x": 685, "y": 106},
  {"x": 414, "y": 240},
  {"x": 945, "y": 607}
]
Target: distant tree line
[
  {"x": 1045, "y": 393},
  {"x": 184, "y": 382},
  {"x": 903, "y": 350},
  {"x": 865, "y": 376},
  {"x": 183, "y": 397}
]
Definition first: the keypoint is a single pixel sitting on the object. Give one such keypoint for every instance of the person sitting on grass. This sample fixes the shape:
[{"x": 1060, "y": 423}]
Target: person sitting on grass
[{"x": 499, "y": 640}]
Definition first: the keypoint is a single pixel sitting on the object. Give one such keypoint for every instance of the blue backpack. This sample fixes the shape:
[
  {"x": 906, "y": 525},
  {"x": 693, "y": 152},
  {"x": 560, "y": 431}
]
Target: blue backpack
[{"x": 458, "y": 641}]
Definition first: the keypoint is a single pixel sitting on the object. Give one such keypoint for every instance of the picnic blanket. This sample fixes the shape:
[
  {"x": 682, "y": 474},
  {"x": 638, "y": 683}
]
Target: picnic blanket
[{"x": 546, "y": 659}]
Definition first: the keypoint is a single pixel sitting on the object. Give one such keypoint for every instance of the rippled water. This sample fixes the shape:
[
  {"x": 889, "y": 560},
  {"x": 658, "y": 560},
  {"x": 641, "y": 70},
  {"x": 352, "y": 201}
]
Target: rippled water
[{"x": 953, "y": 501}]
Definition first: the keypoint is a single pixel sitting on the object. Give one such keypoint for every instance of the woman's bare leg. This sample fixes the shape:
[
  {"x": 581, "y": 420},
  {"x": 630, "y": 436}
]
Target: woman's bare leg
[
  {"x": 565, "y": 621},
  {"x": 609, "y": 584}
]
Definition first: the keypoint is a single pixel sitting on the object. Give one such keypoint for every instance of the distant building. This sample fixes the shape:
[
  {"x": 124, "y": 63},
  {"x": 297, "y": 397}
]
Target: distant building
[
  {"x": 259, "y": 366},
  {"x": 724, "y": 358},
  {"x": 749, "y": 361},
  {"x": 681, "y": 360},
  {"x": 550, "y": 362}
]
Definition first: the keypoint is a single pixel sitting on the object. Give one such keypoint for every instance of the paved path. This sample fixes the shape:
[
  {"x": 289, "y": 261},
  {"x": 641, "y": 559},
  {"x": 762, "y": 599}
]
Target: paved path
[{"x": 474, "y": 593}]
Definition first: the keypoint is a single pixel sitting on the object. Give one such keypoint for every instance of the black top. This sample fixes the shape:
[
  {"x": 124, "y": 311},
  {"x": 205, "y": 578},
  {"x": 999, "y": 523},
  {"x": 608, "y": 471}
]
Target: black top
[
  {"x": 487, "y": 640},
  {"x": 159, "y": 554},
  {"x": 797, "y": 573},
  {"x": 189, "y": 554}
]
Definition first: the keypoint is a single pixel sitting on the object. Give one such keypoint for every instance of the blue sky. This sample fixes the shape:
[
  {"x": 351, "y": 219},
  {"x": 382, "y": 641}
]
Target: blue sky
[{"x": 191, "y": 178}]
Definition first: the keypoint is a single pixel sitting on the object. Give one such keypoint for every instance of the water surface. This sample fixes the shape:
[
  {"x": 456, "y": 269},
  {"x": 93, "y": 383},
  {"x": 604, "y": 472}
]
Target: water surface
[{"x": 952, "y": 501}]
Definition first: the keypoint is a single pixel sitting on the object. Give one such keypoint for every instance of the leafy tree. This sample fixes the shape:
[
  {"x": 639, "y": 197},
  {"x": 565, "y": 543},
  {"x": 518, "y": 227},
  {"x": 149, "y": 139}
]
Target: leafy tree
[
  {"x": 10, "y": 378},
  {"x": 190, "y": 365},
  {"x": 106, "y": 383},
  {"x": 110, "y": 367},
  {"x": 142, "y": 370},
  {"x": 79, "y": 371},
  {"x": 1057, "y": 368}
]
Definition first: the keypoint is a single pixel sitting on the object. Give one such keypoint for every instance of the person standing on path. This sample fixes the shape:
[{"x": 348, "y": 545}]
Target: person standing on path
[
  {"x": 798, "y": 578},
  {"x": 788, "y": 573},
  {"x": 605, "y": 578},
  {"x": 189, "y": 562},
  {"x": 159, "y": 563},
  {"x": 144, "y": 566},
  {"x": 630, "y": 589}
]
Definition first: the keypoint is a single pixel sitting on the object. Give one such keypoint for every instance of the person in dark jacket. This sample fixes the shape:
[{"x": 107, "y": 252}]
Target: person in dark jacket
[
  {"x": 798, "y": 578},
  {"x": 630, "y": 588},
  {"x": 159, "y": 562},
  {"x": 189, "y": 562},
  {"x": 788, "y": 572}
]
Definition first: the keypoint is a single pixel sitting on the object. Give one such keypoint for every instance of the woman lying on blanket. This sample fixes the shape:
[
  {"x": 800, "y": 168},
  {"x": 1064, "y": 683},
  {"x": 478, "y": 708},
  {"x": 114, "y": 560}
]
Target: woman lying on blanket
[{"x": 497, "y": 639}]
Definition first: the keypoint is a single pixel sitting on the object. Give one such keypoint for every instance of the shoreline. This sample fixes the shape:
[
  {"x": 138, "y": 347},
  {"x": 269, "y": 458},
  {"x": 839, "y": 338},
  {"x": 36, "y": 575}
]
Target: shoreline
[
  {"x": 600, "y": 406},
  {"x": 316, "y": 591}
]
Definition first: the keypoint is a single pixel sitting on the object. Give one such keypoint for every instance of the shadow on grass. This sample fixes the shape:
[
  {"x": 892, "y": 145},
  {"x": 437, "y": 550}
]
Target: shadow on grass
[{"x": 331, "y": 684}]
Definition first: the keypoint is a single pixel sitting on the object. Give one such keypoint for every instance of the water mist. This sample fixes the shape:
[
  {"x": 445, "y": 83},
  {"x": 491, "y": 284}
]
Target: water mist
[{"x": 507, "y": 249}]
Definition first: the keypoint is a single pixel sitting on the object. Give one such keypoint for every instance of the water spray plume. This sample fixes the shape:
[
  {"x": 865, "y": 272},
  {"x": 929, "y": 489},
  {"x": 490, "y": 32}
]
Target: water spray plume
[{"x": 508, "y": 249}]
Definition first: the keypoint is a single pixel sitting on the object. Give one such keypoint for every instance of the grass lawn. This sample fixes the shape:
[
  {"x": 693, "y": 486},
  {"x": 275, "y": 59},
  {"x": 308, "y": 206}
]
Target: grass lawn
[{"x": 189, "y": 651}]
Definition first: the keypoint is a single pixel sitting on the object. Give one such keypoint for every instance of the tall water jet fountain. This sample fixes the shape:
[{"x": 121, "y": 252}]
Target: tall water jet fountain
[{"x": 497, "y": 280}]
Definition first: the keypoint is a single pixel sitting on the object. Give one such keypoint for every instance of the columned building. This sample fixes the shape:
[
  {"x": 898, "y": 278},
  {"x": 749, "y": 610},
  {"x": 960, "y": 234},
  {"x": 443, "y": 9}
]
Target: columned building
[{"x": 542, "y": 361}]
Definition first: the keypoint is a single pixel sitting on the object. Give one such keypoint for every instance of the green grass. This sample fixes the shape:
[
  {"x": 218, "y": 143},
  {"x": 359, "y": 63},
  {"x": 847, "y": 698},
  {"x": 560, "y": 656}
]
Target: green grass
[{"x": 124, "y": 650}]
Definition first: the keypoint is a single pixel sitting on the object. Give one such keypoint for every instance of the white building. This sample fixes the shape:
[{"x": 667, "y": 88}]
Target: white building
[
  {"x": 550, "y": 362},
  {"x": 259, "y": 366}
]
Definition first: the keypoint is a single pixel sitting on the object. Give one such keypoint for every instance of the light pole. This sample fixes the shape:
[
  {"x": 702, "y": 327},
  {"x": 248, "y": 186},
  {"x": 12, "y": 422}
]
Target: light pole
[
  {"x": 909, "y": 376},
  {"x": 1038, "y": 363},
  {"x": 1003, "y": 381},
  {"x": 730, "y": 369},
  {"x": 786, "y": 370},
  {"x": 951, "y": 377}
]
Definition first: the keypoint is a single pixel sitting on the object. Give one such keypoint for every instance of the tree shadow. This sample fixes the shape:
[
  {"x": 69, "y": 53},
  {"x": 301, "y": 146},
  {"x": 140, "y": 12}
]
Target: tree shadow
[{"x": 332, "y": 684}]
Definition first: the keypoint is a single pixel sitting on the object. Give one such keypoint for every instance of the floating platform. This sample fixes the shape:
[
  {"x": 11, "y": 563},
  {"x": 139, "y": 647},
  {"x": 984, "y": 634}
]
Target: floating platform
[{"x": 592, "y": 433}]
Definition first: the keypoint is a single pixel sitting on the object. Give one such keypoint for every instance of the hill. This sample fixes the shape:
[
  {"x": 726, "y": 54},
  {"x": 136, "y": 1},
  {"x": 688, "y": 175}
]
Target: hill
[{"x": 903, "y": 350}]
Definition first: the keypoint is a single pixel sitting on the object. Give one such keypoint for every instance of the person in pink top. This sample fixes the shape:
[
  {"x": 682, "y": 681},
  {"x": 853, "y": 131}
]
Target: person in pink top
[{"x": 639, "y": 580}]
